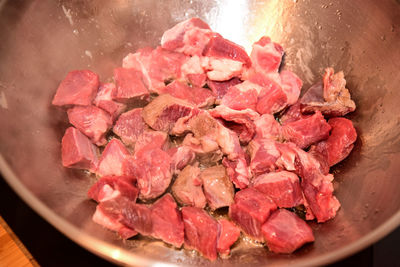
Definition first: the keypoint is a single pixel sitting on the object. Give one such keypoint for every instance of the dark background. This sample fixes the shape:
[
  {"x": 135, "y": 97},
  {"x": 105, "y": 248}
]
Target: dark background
[{"x": 51, "y": 248}]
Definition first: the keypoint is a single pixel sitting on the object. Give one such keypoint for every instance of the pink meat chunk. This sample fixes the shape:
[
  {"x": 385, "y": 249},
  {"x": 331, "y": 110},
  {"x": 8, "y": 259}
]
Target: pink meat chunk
[
  {"x": 238, "y": 171},
  {"x": 162, "y": 113},
  {"x": 263, "y": 155},
  {"x": 129, "y": 126},
  {"x": 115, "y": 160},
  {"x": 332, "y": 97},
  {"x": 241, "y": 96},
  {"x": 181, "y": 157},
  {"x": 137, "y": 217},
  {"x": 285, "y": 232},
  {"x": 152, "y": 140},
  {"x": 79, "y": 87},
  {"x": 201, "y": 231},
  {"x": 197, "y": 96},
  {"x": 282, "y": 187},
  {"x": 339, "y": 143},
  {"x": 77, "y": 151},
  {"x": 167, "y": 221},
  {"x": 228, "y": 234},
  {"x": 267, "y": 127},
  {"x": 241, "y": 122},
  {"x": 92, "y": 121},
  {"x": 271, "y": 99},
  {"x": 218, "y": 188},
  {"x": 291, "y": 86},
  {"x": 266, "y": 56},
  {"x": 111, "y": 187},
  {"x": 192, "y": 71},
  {"x": 250, "y": 211},
  {"x": 130, "y": 86},
  {"x": 189, "y": 37},
  {"x": 109, "y": 217},
  {"x": 152, "y": 169},
  {"x": 221, "y": 88},
  {"x": 104, "y": 100},
  {"x": 293, "y": 113},
  {"x": 187, "y": 188},
  {"x": 305, "y": 132}
]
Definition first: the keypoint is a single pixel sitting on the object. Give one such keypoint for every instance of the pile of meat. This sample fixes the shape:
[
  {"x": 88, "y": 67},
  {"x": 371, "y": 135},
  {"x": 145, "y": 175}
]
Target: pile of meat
[{"x": 196, "y": 125}]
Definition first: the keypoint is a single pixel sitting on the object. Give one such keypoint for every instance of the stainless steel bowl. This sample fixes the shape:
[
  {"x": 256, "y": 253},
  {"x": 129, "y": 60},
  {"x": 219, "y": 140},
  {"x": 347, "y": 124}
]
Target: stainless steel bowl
[{"x": 42, "y": 40}]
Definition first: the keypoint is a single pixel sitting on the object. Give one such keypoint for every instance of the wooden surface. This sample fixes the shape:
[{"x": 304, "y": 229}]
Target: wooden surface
[{"x": 12, "y": 252}]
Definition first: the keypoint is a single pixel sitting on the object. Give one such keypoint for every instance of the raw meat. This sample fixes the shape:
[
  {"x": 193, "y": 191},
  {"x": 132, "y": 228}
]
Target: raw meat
[
  {"x": 227, "y": 235},
  {"x": 193, "y": 72},
  {"x": 242, "y": 96},
  {"x": 151, "y": 140},
  {"x": 263, "y": 155},
  {"x": 167, "y": 221},
  {"x": 129, "y": 126},
  {"x": 130, "y": 86},
  {"x": 218, "y": 189},
  {"x": 266, "y": 56},
  {"x": 111, "y": 187},
  {"x": 79, "y": 87},
  {"x": 201, "y": 231},
  {"x": 238, "y": 171},
  {"x": 162, "y": 113},
  {"x": 271, "y": 99},
  {"x": 282, "y": 187},
  {"x": 221, "y": 88},
  {"x": 307, "y": 131},
  {"x": 250, "y": 210},
  {"x": 77, "y": 151},
  {"x": 92, "y": 121},
  {"x": 293, "y": 113},
  {"x": 267, "y": 127},
  {"x": 114, "y": 160},
  {"x": 187, "y": 188},
  {"x": 284, "y": 232},
  {"x": 181, "y": 157},
  {"x": 105, "y": 100},
  {"x": 291, "y": 86},
  {"x": 136, "y": 216}
]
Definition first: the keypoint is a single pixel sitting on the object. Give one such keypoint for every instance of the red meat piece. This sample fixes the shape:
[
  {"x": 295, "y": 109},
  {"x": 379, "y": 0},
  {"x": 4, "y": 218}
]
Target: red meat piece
[
  {"x": 282, "y": 187},
  {"x": 263, "y": 155},
  {"x": 293, "y": 113},
  {"x": 130, "y": 86},
  {"x": 110, "y": 187},
  {"x": 92, "y": 121},
  {"x": 151, "y": 140},
  {"x": 115, "y": 160},
  {"x": 266, "y": 56},
  {"x": 136, "y": 216},
  {"x": 77, "y": 151},
  {"x": 284, "y": 232},
  {"x": 221, "y": 88},
  {"x": 129, "y": 126},
  {"x": 104, "y": 100},
  {"x": 228, "y": 234},
  {"x": 193, "y": 72},
  {"x": 167, "y": 221},
  {"x": 250, "y": 210},
  {"x": 218, "y": 189},
  {"x": 238, "y": 171},
  {"x": 201, "y": 231},
  {"x": 307, "y": 131},
  {"x": 79, "y": 87},
  {"x": 271, "y": 99},
  {"x": 267, "y": 127},
  {"x": 181, "y": 157},
  {"x": 241, "y": 96},
  {"x": 291, "y": 86}
]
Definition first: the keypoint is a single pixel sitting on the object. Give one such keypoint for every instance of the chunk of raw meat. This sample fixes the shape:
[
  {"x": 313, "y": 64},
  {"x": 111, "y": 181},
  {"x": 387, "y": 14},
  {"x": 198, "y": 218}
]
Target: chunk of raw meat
[
  {"x": 332, "y": 97},
  {"x": 193, "y": 72},
  {"x": 189, "y": 37},
  {"x": 167, "y": 221},
  {"x": 287, "y": 159},
  {"x": 187, "y": 188},
  {"x": 242, "y": 96},
  {"x": 284, "y": 232},
  {"x": 137, "y": 217},
  {"x": 181, "y": 156},
  {"x": 282, "y": 187},
  {"x": 79, "y": 87},
  {"x": 267, "y": 127},
  {"x": 238, "y": 171},
  {"x": 263, "y": 155},
  {"x": 227, "y": 235},
  {"x": 250, "y": 210},
  {"x": 77, "y": 151},
  {"x": 152, "y": 169},
  {"x": 129, "y": 126},
  {"x": 151, "y": 140},
  {"x": 241, "y": 122},
  {"x": 205, "y": 145},
  {"x": 339, "y": 143},
  {"x": 293, "y": 113},
  {"x": 104, "y": 100},
  {"x": 218, "y": 189},
  {"x": 110, "y": 217},
  {"x": 197, "y": 96},
  {"x": 221, "y": 88},
  {"x": 130, "y": 86},
  {"x": 266, "y": 56},
  {"x": 307, "y": 131},
  {"x": 115, "y": 160},
  {"x": 201, "y": 231},
  {"x": 291, "y": 86},
  {"x": 162, "y": 113},
  {"x": 110, "y": 187},
  {"x": 92, "y": 121},
  {"x": 271, "y": 99}
]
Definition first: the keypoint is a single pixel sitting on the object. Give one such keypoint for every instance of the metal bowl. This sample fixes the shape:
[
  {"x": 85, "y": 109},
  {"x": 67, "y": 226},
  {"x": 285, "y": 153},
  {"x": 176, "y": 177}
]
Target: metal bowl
[{"x": 44, "y": 39}]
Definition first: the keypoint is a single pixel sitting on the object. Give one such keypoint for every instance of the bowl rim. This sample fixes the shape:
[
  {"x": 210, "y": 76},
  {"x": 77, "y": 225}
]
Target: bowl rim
[{"x": 119, "y": 255}]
